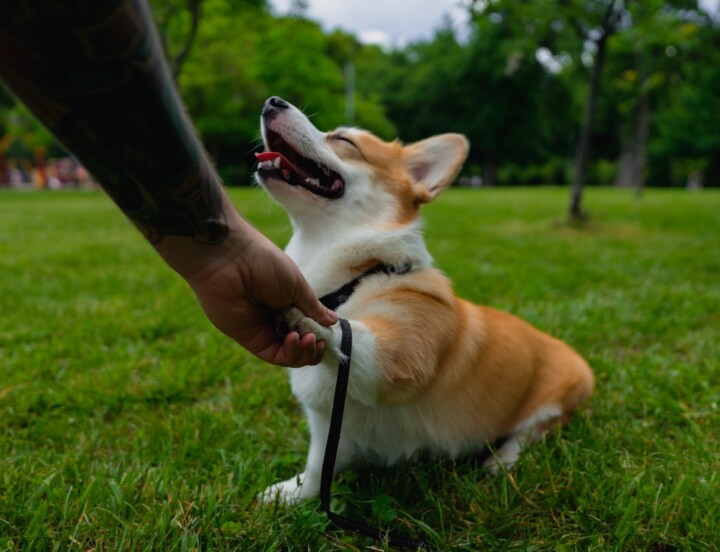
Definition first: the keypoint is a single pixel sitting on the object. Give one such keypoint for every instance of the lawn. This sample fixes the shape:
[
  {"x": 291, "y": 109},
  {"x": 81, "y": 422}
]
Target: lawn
[{"x": 128, "y": 423}]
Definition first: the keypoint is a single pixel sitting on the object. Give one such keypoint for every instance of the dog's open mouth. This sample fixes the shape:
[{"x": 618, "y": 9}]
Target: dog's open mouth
[{"x": 282, "y": 162}]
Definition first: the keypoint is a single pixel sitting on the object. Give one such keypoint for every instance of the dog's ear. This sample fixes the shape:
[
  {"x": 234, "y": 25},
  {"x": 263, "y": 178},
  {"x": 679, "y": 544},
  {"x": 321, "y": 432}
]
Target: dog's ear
[{"x": 434, "y": 163}]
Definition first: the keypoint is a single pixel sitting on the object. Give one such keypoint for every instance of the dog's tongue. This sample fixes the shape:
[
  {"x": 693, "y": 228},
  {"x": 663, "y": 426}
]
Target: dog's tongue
[{"x": 284, "y": 162}]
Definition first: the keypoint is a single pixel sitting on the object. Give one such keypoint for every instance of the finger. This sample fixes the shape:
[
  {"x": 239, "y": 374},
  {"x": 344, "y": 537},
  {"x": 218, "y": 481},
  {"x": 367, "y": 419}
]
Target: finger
[
  {"x": 282, "y": 353},
  {"x": 291, "y": 354},
  {"x": 292, "y": 350},
  {"x": 296, "y": 351},
  {"x": 306, "y": 301},
  {"x": 319, "y": 352},
  {"x": 308, "y": 346}
]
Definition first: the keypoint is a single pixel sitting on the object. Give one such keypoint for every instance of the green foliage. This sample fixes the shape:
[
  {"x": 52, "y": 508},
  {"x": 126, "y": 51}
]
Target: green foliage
[
  {"x": 295, "y": 65},
  {"x": 244, "y": 55},
  {"x": 554, "y": 171},
  {"x": 658, "y": 95},
  {"x": 128, "y": 423},
  {"x": 472, "y": 87},
  {"x": 220, "y": 82},
  {"x": 30, "y": 135},
  {"x": 690, "y": 116},
  {"x": 177, "y": 22}
]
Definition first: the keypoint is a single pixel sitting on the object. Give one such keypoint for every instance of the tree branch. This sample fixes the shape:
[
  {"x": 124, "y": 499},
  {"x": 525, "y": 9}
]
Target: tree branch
[
  {"x": 610, "y": 20},
  {"x": 194, "y": 9}
]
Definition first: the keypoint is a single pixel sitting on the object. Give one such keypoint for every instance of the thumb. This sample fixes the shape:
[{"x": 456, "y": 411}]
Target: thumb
[{"x": 306, "y": 301}]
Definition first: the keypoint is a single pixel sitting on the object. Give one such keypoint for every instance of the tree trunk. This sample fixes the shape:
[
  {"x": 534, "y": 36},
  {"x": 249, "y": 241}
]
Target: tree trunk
[
  {"x": 625, "y": 177},
  {"x": 608, "y": 27},
  {"x": 490, "y": 170},
  {"x": 583, "y": 153},
  {"x": 643, "y": 132},
  {"x": 631, "y": 166}
]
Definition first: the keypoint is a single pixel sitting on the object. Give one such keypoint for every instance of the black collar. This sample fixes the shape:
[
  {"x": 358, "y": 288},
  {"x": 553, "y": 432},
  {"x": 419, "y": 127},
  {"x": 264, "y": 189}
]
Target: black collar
[{"x": 336, "y": 298}]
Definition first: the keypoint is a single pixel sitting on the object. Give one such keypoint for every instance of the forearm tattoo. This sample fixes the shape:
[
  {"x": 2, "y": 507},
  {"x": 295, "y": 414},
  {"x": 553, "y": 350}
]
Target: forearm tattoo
[{"x": 93, "y": 72}]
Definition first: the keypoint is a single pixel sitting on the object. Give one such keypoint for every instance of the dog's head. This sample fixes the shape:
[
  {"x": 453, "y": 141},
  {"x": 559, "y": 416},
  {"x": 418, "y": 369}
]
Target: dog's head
[{"x": 349, "y": 174}]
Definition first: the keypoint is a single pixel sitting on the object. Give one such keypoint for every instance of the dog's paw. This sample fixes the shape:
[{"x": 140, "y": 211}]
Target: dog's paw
[
  {"x": 297, "y": 321},
  {"x": 291, "y": 318},
  {"x": 505, "y": 458},
  {"x": 286, "y": 492}
]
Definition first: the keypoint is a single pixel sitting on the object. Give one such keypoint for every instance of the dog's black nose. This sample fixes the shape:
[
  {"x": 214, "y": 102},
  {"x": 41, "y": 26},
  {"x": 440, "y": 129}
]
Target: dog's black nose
[
  {"x": 274, "y": 104},
  {"x": 276, "y": 101}
]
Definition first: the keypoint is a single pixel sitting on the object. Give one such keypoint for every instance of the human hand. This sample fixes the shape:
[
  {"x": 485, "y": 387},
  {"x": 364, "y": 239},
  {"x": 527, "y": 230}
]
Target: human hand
[
  {"x": 178, "y": 203},
  {"x": 242, "y": 292}
]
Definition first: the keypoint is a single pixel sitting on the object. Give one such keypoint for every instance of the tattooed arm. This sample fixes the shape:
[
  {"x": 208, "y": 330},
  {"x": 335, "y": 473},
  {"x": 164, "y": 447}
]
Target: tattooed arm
[{"x": 93, "y": 72}]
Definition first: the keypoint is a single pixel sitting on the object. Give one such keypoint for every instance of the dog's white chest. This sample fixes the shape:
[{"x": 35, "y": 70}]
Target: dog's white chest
[{"x": 384, "y": 434}]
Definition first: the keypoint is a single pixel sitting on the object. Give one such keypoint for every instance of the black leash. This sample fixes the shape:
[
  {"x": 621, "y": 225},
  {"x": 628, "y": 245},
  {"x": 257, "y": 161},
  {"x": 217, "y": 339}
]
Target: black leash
[{"x": 331, "y": 448}]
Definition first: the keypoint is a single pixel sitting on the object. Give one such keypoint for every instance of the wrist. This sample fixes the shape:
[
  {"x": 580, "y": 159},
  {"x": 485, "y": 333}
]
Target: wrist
[{"x": 196, "y": 261}]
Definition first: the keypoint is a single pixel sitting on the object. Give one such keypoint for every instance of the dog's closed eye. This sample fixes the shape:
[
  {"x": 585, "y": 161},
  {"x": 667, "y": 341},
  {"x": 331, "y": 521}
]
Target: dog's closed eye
[{"x": 341, "y": 138}]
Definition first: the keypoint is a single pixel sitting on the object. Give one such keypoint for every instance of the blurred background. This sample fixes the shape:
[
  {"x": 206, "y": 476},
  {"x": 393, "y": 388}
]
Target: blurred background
[{"x": 563, "y": 92}]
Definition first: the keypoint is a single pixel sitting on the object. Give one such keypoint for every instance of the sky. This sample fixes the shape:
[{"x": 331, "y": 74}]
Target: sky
[
  {"x": 386, "y": 22},
  {"x": 395, "y": 22}
]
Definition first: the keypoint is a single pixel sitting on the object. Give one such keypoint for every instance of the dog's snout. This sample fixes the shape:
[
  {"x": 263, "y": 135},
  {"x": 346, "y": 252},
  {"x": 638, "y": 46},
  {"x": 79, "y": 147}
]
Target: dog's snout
[{"x": 273, "y": 105}]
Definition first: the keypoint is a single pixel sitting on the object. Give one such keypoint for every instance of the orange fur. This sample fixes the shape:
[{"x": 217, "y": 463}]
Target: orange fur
[{"x": 383, "y": 158}]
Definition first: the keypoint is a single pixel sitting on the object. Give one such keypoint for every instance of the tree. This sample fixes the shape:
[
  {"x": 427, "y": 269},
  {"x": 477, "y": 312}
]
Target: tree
[
  {"x": 645, "y": 56},
  {"x": 178, "y": 22},
  {"x": 490, "y": 88},
  {"x": 167, "y": 13},
  {"x": 502, "y": 94},
  {"x": 578, "y": 29},
  {"x": 22, "y": 126},
  {"x": 357, "y": 60},
  {"x": 594, "y": 22},
  {"x": 630, "y": 36},
  {"x": 221, "y": 85},
  {"x": 687, "y": 122},
  {"x": 241, "y": 57}
]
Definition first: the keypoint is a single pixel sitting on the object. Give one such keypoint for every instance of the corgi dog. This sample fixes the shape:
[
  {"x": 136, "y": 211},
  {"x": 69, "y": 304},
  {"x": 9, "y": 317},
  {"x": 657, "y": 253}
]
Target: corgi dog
[{"x": 429, "y": 371}]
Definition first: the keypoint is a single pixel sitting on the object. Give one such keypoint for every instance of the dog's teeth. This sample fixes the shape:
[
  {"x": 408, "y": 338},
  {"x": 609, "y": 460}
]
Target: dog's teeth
[
  {"x": 276, "y": 162},
  {"x": 313, "y": 181}
]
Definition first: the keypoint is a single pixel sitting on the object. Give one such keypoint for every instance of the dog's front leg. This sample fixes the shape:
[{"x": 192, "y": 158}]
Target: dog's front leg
[
  {"x": 306, "y": 485},
  {"x": 363, "y": 382}
]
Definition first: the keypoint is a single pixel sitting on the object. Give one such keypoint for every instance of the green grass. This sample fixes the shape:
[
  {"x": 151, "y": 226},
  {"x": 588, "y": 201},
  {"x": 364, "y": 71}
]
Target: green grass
[{"x": 128, "y": 423}]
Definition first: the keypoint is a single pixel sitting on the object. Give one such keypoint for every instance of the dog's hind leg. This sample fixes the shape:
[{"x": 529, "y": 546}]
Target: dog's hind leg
[
  {"x": 524, "y": 435},
  {"x": 568, "y": 383}
]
